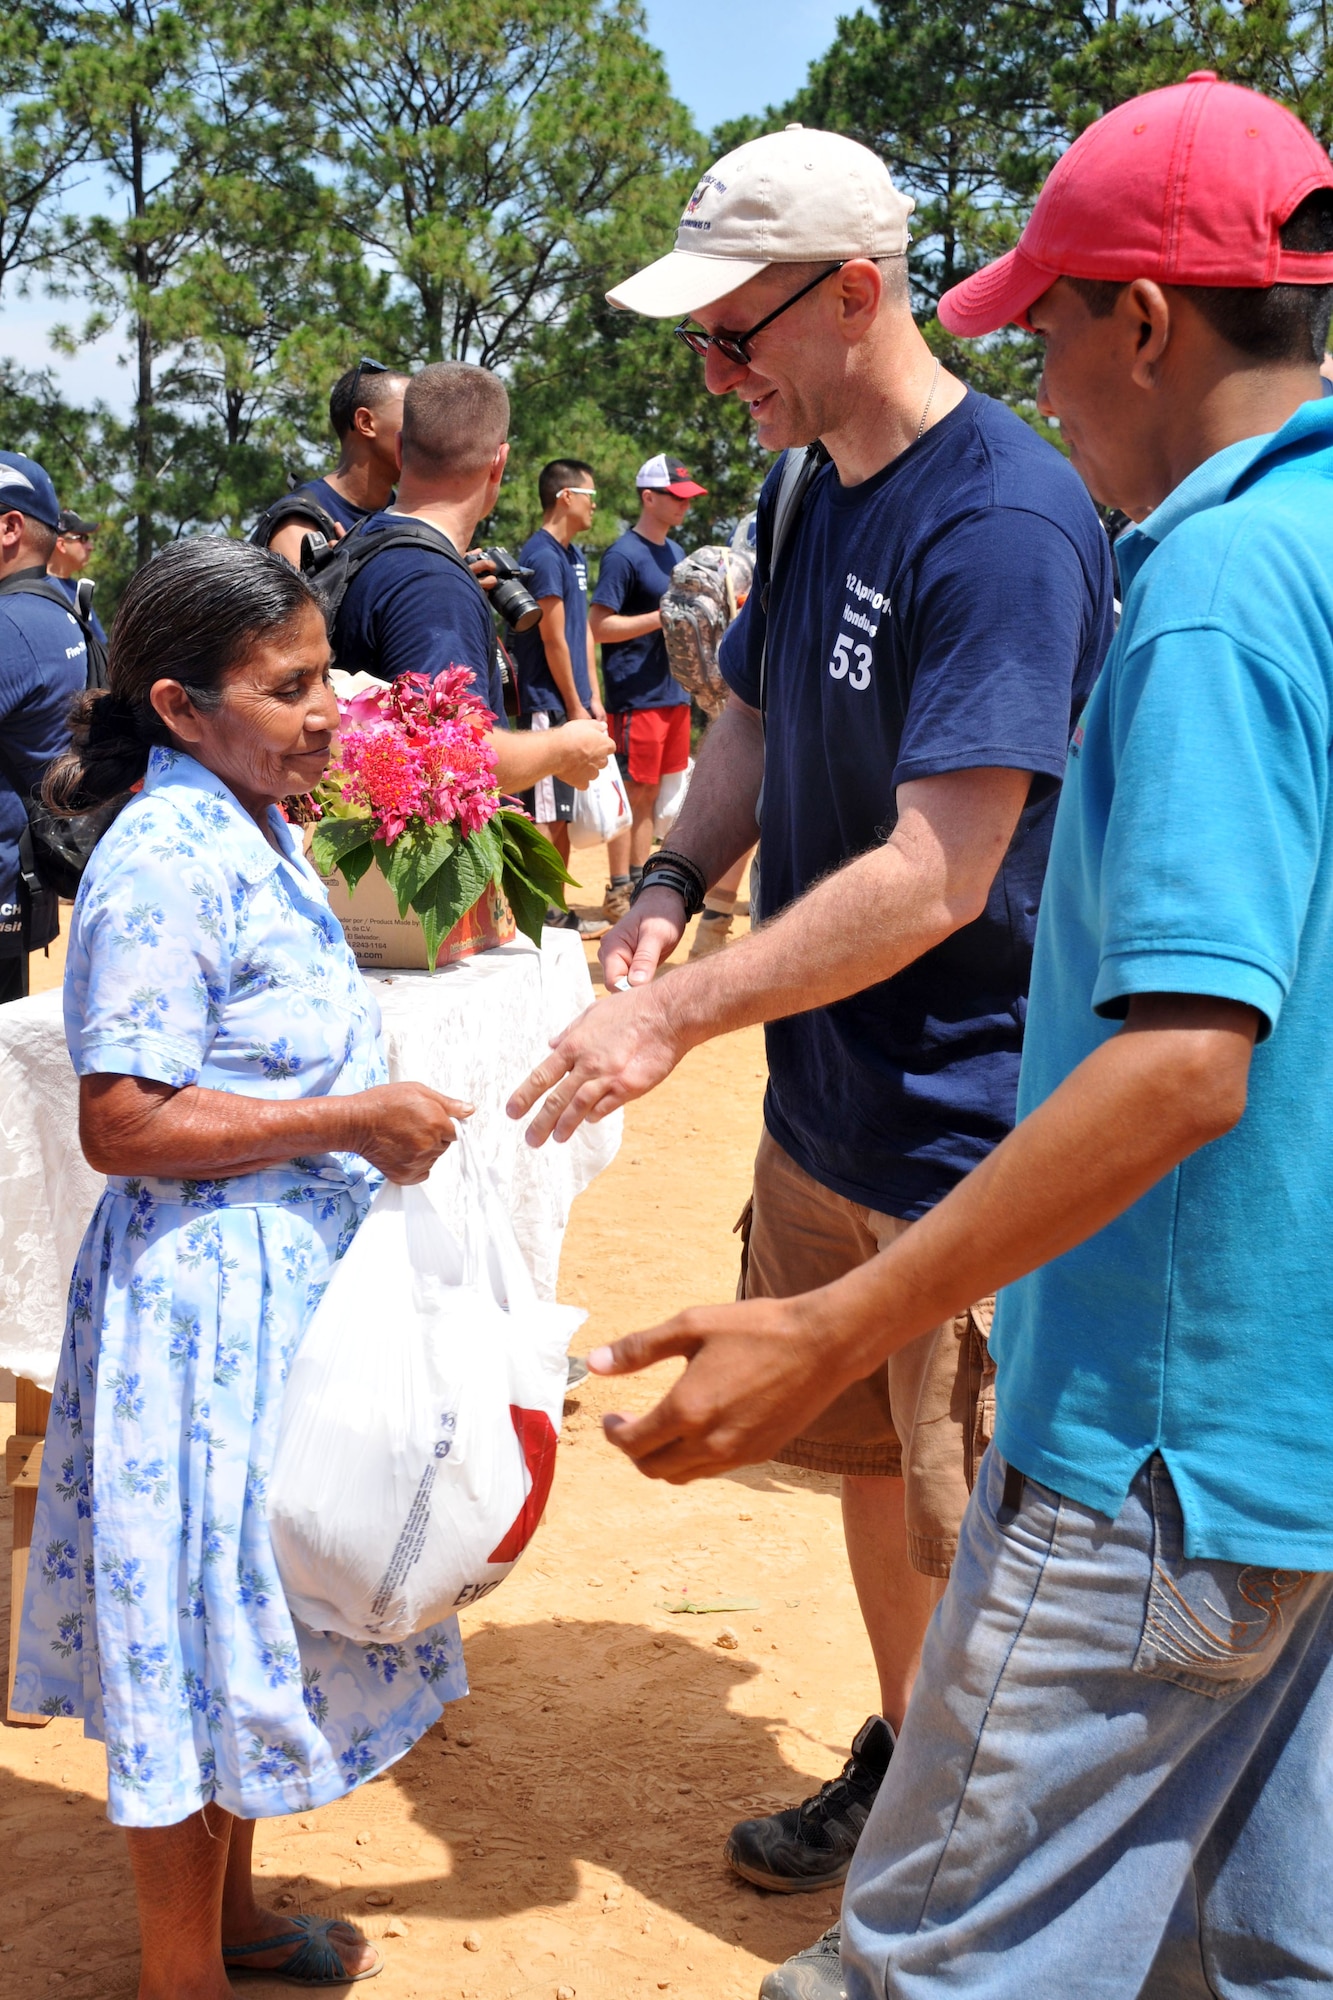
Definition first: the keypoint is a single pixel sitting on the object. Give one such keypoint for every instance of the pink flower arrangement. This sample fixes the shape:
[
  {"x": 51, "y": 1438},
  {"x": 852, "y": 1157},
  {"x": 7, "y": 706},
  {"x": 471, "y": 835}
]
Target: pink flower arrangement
[
  {"x": 412, "y": 790},
  {"x": 417, "y": 751}
]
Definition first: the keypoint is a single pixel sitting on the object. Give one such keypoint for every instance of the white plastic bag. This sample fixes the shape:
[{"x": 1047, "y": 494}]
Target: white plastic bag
[
  {"x": 670, "y": 798},
  {"x": 419, "y": 1422},
  {"x": 602, "y": 811}
]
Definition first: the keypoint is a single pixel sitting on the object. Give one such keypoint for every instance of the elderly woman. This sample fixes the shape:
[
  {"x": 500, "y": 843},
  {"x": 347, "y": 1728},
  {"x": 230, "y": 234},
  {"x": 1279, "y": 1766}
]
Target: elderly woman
[{"x": 232, "y": 1090}]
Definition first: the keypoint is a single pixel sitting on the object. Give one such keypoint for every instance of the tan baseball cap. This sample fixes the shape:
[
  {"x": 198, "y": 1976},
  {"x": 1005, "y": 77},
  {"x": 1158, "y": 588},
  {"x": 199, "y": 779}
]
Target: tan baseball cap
[{"x": 793, "y": 197}]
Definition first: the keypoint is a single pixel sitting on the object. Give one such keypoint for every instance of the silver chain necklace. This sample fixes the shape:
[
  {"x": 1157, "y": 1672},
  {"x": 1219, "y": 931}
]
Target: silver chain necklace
[{"x": 921, "y": 427}]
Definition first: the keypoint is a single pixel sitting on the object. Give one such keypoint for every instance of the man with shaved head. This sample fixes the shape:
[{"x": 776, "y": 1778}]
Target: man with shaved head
[{"x": 419, "y": 609}]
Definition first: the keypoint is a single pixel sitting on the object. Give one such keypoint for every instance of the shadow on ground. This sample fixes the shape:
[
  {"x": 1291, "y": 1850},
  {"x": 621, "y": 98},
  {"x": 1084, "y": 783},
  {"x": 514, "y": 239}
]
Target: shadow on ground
[{"x": 625, "y": 1756}]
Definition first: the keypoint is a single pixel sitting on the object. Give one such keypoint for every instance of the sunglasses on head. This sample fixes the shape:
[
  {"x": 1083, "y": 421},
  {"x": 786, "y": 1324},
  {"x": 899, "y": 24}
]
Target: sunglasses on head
[
  {"x": 736, "y": 346},
  {"x": 365, "y": 366}
]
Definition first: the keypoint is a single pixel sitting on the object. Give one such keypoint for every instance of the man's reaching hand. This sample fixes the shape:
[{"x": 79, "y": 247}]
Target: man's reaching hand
[
  {"x": 617, "y": 1050},
  {"x": 758, "y": 1372}
]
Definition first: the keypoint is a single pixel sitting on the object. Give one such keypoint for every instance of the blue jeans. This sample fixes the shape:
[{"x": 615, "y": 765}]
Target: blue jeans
[{"x": 1115, "y": 1778}]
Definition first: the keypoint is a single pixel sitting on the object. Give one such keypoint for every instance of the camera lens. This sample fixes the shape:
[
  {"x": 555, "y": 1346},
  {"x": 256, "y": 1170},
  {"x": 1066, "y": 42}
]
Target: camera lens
[{"x": 510, "y": 597}]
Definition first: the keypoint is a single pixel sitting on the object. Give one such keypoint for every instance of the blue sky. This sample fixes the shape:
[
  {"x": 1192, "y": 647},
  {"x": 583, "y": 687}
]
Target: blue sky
[{"x": 724, "y": 57}]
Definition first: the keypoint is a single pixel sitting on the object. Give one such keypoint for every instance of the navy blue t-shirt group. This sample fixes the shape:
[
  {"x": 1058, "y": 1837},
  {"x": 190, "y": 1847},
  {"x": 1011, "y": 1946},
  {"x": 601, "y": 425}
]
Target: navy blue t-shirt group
[
  {"x": 948, "y": 614},
  {"x": 557, "y": 572},
  {"x": 634, "y": 577},
  {"x": 411, "y": 611}
]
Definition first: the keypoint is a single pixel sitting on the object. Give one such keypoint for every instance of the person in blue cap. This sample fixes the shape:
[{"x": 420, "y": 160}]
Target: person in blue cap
[{"x": 43, "y": 664}]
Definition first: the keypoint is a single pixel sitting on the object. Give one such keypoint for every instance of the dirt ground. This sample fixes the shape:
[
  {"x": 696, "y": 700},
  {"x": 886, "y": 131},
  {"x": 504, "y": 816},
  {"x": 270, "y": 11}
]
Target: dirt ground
[{"x": 560, "y": 1831}]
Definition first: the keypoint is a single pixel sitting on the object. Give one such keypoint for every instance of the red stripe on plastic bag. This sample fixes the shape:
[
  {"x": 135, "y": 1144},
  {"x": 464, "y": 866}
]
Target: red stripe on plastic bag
[{"x": 536, "y": 1436}]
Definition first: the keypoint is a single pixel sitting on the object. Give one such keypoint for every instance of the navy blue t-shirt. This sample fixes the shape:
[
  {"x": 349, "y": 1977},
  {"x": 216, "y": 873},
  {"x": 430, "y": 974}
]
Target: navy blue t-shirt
[
  {"x": 948, "y": 614},
  {"x": 411, "y": 611},
  {"x": 634, "y": 577},
  {"x": 343, "y": 511},
  {"x": 43, "y": 665},
  {"x": 557, "y": 572}
]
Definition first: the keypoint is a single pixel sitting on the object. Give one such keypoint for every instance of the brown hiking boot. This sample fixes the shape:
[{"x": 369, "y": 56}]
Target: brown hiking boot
[
  {"x": 615, "y": 903},
  {"x": 712, "y": 932}
]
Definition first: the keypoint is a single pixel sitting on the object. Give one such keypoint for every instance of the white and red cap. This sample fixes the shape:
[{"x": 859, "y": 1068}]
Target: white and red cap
[
  {"x": 1189, "y": 186},
  {"x": 793, "y": 197},
  {"x": 665, "y": 474}
]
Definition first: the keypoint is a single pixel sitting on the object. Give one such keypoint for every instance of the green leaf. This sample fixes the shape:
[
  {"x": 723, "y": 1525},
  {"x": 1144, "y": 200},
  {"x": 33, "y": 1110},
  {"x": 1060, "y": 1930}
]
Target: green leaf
[
  {"x": 530, "y": 854},
  {"x": 529, "y": 905},
  {"x": 533, "y": 874},
  {"x": 455, "y": 887},
  {"x": 354, "y": 865},
  {"x": 411, "y": 861},
  {"x": 334, "y": 839}
]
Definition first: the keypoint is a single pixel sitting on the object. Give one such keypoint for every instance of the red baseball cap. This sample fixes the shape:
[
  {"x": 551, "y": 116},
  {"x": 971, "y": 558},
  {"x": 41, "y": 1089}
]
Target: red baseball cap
[{"x": 1187, "y": 185}]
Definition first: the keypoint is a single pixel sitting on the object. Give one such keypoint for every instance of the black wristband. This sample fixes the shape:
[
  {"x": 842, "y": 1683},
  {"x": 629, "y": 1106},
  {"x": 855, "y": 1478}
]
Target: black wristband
[
  {"x": 675, "y": 860},
  {"x": 678, "y": 872}
]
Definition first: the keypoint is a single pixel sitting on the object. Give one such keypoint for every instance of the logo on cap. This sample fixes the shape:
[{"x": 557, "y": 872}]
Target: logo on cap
[{"x": 708, "y": 181}]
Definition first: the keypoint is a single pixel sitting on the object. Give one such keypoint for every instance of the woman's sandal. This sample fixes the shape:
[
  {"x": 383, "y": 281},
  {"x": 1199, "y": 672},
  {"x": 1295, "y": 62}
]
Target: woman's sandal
[{"x": 314, "y": 1961}]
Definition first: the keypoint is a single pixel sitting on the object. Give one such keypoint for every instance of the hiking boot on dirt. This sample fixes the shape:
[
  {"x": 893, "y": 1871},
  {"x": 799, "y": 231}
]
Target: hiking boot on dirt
[
  {"x": 615, "y": 904},
  {"x": 712, "y": 932},
  {"x": 813, "y": 1974},
  {"x": 810, "y": 1846},
  {"x": 570, "y": 920}
]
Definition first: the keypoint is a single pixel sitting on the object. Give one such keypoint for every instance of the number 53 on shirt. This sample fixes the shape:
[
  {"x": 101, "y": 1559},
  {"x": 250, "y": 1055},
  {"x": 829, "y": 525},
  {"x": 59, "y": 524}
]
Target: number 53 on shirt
[{"x": 851, "y": 660}]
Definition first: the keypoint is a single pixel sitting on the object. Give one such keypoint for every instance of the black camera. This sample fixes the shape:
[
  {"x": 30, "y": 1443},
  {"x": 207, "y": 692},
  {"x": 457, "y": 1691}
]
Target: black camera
[{"x": 515, "y": 604}]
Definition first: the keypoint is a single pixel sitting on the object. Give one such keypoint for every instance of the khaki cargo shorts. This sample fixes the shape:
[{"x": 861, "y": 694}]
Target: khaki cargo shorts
[{"x": 925, "y": 1416}]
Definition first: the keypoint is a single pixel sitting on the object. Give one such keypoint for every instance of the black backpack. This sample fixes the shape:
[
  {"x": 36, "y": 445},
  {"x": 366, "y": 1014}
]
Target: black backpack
[
  {"x": 53, "y": 852},
  {"x": 294, "y": 506},
  {"x": 801, "y": 465},
  {"x": 332, "y": 567},
  {"x": 79, "y": 610}
]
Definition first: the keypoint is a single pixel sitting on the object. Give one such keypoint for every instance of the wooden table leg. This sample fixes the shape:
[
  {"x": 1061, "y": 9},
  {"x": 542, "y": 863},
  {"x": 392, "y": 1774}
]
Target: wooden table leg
[{"x": 23, "y": 1464}]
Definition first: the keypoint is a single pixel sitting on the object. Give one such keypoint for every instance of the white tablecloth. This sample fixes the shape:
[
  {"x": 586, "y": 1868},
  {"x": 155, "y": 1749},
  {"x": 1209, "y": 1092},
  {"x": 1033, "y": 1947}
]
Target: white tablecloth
[{"x": 473, "y": 1030}]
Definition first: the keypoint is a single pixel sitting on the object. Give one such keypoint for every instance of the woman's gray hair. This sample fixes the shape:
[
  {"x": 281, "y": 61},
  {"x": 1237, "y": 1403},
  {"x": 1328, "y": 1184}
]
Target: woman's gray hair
[{"x": 190, "y": 615}]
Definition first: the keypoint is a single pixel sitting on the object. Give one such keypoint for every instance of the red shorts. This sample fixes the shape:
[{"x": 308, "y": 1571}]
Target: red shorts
[{"x": 651, "y": 743}]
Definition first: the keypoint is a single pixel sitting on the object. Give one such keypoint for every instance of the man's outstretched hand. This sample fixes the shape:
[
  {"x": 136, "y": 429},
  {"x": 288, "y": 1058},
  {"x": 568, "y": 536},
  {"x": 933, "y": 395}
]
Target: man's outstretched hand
[
  {"x": 757, "y": 1372},
  {"x": 616, "y": 1050}
]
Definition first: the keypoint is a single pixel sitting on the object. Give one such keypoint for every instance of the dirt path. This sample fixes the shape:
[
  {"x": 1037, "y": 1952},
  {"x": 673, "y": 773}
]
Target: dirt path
[{"x": 568, "y": 1817}]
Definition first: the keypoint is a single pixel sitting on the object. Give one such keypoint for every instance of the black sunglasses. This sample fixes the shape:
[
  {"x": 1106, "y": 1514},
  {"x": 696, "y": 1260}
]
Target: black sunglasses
[
  {"x": 365, "y": 366},
  {"x": 736, "y": 346}
]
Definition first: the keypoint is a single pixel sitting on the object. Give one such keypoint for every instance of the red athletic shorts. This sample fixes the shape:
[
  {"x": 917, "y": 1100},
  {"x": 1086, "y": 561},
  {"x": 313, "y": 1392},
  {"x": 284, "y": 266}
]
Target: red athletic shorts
[{"x": 651, "y": 743}]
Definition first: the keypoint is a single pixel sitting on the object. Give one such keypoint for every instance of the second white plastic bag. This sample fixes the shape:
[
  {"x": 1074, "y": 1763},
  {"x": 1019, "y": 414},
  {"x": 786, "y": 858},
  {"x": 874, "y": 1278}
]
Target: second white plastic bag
[
  {"x": 420, "y": 1417},
  {"x": 670, "y": 798},
  {"x": 602, "y": 811}
]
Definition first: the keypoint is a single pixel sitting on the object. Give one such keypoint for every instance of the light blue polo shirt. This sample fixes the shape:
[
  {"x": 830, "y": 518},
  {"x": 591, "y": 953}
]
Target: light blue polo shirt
[{"x": 1193, "y": 854}]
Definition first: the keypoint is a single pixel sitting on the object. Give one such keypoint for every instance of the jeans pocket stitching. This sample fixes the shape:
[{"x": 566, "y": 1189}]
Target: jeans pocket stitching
[{"x": 1179, "y": 1643}]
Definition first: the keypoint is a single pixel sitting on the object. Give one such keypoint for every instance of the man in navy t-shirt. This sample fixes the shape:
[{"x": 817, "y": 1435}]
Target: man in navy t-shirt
[
  {"x": 554, "y": 665},
  {"x": 648, "y": 710},
  {"x": 43, "y": 665},
  {"x": 366, "y": 412},
  {"x": 413, "y": 610},
  {"x": 936, "y": 619}
]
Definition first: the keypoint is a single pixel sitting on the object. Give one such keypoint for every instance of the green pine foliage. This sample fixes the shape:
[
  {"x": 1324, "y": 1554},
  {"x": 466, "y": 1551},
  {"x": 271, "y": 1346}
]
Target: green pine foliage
[{"x": 254, "y": 193}]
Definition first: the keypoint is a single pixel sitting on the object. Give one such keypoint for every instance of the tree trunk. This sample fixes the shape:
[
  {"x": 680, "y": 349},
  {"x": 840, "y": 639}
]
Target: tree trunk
[{"x": 143, "y": 396}]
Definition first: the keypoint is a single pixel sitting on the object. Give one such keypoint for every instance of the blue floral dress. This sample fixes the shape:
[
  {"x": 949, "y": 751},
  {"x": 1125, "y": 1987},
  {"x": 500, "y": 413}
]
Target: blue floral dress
[{"x": 198, "y": 954}]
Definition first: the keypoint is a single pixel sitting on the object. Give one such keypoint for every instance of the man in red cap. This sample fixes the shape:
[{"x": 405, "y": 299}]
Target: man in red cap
[{"x": 1113, "y": 1778}]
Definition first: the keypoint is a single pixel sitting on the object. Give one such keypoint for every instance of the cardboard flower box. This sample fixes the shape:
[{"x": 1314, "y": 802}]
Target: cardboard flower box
[{"x": 380, "y": 938}]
